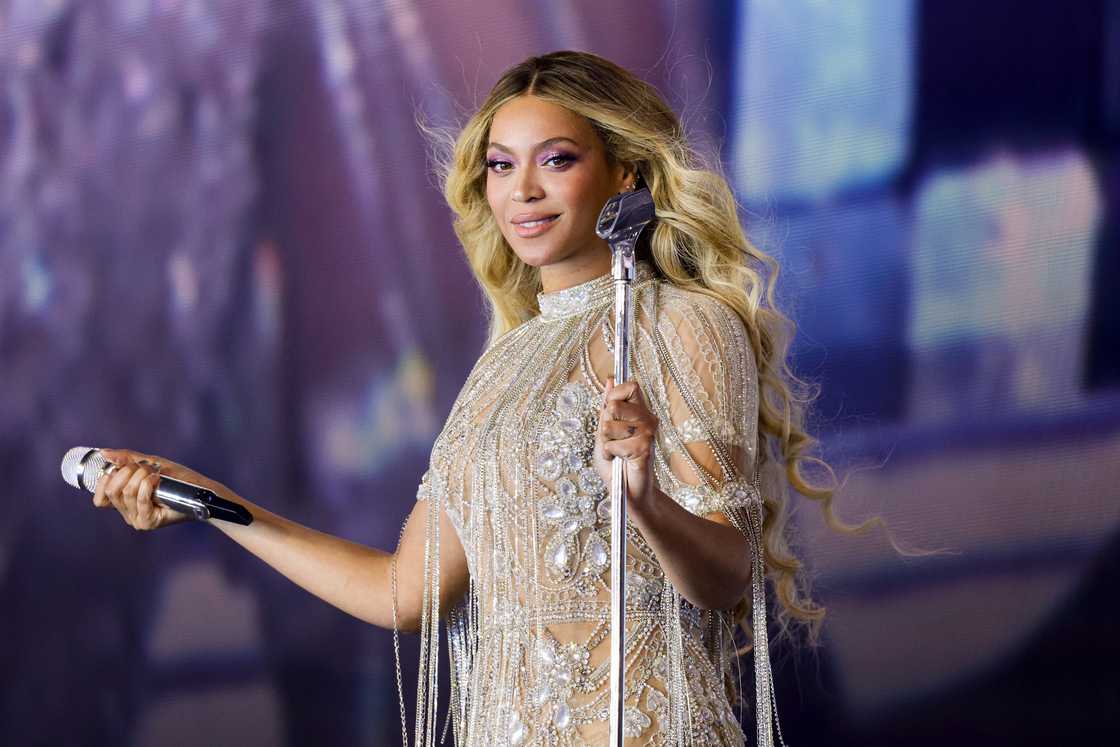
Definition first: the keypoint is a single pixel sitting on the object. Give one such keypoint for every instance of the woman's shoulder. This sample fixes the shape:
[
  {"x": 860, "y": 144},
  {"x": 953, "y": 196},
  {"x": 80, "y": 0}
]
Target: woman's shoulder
[
  {"x": 703, "y": 328},
  {"x": 678, "y": 304},
  {"x": 511, "y": 339}
]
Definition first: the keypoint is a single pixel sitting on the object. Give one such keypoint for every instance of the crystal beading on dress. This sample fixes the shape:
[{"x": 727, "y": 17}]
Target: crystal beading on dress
[{"x": 512, "y": 470}]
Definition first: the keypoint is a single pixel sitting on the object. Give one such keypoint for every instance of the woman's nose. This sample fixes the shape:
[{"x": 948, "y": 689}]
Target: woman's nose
[{"x": 527, "y": 187}]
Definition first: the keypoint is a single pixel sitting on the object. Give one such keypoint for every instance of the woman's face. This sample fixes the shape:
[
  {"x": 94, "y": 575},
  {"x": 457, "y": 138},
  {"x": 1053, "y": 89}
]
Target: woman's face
[{"x": 547, "y": 180}]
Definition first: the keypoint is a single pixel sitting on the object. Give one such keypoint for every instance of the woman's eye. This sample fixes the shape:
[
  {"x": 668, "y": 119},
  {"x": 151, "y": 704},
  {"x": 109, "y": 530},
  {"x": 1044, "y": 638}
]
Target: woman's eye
[
  {"x": 559, "y": 159},
  {"x": 500, "y": 166}
]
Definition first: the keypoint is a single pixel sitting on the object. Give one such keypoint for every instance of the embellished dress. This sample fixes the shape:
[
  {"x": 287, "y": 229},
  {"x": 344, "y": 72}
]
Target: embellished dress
[{"x": 512, "y": 470}]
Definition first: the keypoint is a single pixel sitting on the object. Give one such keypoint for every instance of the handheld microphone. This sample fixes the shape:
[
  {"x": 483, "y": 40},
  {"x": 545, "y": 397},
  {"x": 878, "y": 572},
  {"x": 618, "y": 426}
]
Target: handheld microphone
[{"x": 82, "y": 466}]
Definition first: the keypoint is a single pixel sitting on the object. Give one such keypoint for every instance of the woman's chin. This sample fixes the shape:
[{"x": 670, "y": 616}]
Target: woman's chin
[{"x": 538, "y": 255}]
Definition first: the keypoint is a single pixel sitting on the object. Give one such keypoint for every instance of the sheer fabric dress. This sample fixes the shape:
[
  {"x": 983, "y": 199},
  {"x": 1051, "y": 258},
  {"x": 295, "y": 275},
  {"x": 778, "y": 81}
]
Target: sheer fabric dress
[{"x": 529, "y": 645}]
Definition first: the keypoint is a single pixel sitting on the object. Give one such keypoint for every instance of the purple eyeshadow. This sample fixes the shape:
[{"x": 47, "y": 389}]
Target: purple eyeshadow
[{"x": 560, "y": 153}]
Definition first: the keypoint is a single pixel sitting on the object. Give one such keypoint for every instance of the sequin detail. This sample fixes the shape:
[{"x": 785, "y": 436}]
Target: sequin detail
[
  {"x": 586, "y": 296},
  {"x": 513, "y": 470}
]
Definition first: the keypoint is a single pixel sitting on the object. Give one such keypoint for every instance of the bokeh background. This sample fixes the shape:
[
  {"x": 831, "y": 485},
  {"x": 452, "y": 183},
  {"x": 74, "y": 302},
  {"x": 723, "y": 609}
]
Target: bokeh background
[{"x": 220, "y": 241}]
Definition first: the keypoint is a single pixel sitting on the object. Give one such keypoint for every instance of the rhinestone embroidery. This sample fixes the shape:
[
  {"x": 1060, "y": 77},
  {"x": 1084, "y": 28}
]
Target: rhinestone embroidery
[
  {"x": 512, "y": 468},
  {"x": 588, "y": 295}
]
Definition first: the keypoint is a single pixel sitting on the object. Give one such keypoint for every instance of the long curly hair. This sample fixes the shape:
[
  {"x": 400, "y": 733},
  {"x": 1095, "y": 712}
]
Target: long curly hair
[{"x": 698, "y": 244}]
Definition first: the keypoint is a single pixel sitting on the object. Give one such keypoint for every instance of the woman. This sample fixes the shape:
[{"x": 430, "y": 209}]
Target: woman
[{"x": 508, "y": 541}]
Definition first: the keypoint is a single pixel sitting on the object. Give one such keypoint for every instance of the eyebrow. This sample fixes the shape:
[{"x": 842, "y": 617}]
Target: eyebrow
[{"x": 541, "y": 144}]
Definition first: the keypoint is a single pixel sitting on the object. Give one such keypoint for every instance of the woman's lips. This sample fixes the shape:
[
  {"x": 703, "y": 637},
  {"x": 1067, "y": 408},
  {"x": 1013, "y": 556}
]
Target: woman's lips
[{"x": 534, "y": 228}]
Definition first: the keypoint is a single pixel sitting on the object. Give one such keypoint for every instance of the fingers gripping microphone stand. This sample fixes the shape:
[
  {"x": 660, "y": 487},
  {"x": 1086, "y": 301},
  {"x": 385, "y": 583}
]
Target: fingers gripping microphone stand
[{"x": 620, "y": 223}]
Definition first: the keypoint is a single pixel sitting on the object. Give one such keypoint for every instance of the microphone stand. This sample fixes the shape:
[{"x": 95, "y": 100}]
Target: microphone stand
[{"x": 620, "y": 223}]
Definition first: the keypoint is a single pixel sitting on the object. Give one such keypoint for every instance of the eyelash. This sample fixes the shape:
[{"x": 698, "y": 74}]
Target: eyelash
[{"x": 565, "y": 159}]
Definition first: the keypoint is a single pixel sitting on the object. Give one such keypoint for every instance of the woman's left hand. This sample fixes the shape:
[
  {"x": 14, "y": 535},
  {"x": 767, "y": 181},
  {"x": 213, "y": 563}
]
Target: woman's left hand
[{"x": 626, "y": 429}]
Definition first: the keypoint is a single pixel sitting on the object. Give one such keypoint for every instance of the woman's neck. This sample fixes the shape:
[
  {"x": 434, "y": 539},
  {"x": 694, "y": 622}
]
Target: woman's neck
[{"x": 574, "y": 271}]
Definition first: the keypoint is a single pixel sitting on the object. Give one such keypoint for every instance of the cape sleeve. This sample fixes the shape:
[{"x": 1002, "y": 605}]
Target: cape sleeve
[
  {"x": 707, "y": 443},
  {"x": 707, "y": 438}
]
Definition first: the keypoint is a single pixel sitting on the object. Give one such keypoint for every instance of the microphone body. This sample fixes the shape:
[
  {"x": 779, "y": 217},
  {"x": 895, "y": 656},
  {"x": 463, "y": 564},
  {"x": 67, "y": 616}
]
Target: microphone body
[{"x": 83, "y": 466}]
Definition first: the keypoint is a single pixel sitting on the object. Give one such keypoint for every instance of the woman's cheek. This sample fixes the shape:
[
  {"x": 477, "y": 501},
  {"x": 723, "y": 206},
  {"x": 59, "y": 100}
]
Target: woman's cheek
[
  {"x": 492, "y": 197},
  {"x": 496, "y": 209}
]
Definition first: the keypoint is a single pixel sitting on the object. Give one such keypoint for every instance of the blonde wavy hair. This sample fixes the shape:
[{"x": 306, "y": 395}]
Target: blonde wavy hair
[{"x": 698, "y": 244}]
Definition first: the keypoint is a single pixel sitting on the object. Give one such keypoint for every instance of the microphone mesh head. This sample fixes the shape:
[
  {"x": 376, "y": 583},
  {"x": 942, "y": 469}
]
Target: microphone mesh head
[{"x": 82, "y": 466}]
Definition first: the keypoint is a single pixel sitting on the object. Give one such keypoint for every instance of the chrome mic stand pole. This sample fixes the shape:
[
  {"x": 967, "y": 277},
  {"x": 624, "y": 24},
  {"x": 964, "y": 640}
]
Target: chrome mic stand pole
[
  {"x": 623, "y": 272},
  {"x": 620, "y": 223}
]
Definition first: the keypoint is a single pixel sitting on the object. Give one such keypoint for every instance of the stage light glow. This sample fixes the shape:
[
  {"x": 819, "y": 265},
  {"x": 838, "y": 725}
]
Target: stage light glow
[{"x": 824, "y": 97}]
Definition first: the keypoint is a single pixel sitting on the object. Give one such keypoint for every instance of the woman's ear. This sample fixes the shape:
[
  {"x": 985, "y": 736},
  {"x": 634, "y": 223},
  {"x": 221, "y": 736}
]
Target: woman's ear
[{"x": 629, "y": 176}]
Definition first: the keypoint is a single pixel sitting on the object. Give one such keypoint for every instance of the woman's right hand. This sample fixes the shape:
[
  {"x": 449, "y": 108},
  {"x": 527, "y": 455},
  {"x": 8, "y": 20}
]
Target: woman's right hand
[{"x": 129, "y": 485}]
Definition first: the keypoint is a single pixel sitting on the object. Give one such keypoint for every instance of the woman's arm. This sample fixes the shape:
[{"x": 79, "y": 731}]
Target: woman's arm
[
  {"x": 351, "y": 576},
  {"x": 706, "y": 558}
]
